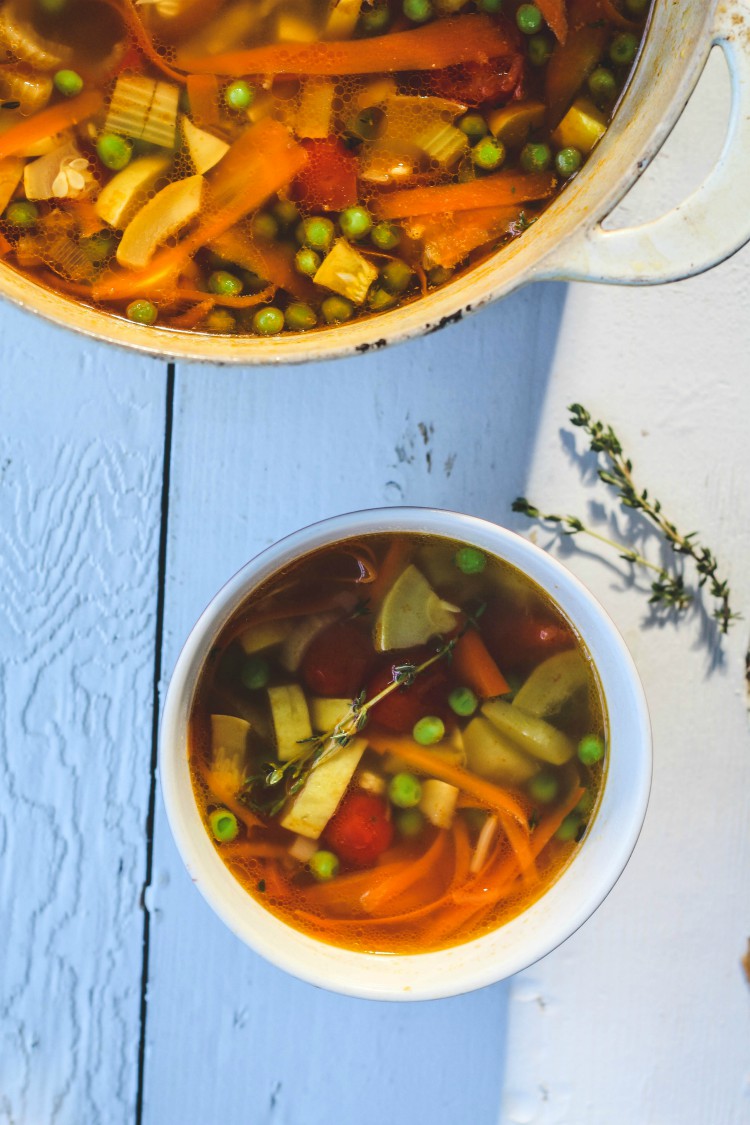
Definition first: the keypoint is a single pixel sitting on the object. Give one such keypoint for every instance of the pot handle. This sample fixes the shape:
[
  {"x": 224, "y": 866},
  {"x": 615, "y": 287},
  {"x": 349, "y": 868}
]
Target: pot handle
[{"x": 704, "y": 230}]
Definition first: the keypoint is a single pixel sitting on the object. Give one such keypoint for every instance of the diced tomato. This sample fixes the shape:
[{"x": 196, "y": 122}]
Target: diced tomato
[
  {"x": 476, "y": 83},
  {"x": 359, "y": 831},
  {"x": 132, "y": 61},
  {"x": 400, "y": 710},
  {"x": 520, "y": 642},
  {"x": 328, "y": 182},
  {"x": 338, "y": 661}
]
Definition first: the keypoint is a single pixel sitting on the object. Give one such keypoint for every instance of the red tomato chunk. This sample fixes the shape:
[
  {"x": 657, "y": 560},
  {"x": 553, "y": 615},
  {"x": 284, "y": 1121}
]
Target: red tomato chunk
[{"x": 359, "y": 831}]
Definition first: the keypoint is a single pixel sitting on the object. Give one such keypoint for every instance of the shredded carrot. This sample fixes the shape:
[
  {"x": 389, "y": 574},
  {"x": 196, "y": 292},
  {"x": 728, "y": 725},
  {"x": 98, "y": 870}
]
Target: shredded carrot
[
  {"x": 192, "y": 317},
  {"x": 386, "y": 890},
  {"x": 569, "y": 66},
  {"x": 130, "y": 17},
  {"x": 85, "y": 215},
  {"x": 203, "y": 92},
  {"x": 446, "y": 42},
  {"x": 50, "y": 121},
  {"x": 264, "y": 159},
  {"x": 248, "y": 301},
  {"x": 273, "y": 263},
  {"x": 447, "y": 239},
  {"x": 498, "y": 190},
  {"x": 5, "y": 246},
  {"x": 473, "y": 665},
  {"x": 519, "y": 842},
  {"x": 556, "y": 16},
  {"x": 424, "y": 760}
]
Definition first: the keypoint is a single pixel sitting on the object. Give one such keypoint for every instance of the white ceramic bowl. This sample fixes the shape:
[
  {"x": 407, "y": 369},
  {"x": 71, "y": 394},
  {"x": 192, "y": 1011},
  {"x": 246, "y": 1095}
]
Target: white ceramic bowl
[{"x": 571, "y": 899}]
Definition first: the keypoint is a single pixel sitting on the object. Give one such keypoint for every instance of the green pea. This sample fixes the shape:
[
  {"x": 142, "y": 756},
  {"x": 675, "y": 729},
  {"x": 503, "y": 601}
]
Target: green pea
[
  {"x": 306, "y": 261},
  {"x": 622, "y": 49},
  {"x": 637, "y": 8},
  {"x": 255, "y": 672},
  {"x": 323, "y": 866},
  {"x": 317, "y": 233},
  {"x": 336, "y": 309},
  {"x": 474, "y": 126},
  {"x": 488, "y": 154},
  {"x": 239, "y": 95},
  {"x": 540, "y": 49},
  {"x": 368, "y": 123},
  {"x": 375, "y": 20},
  {"x": 569, "y": 828},
  {"x": 379, "y": 299},
  {"x": 567, "y": 162},
  {"x": 586, "y": 804},
  {"x": 438, "y": 275},
  {"x": 68, "y": 83},
  {"x": 52, "y": 7},
  {"x": 285, "y": 212},
  {"x": 268, "y": 321},
  {"x": 355, "y": 222},
  {"x": 602, "y": 85},
  {"x": 418, "y": 11},
  {"x": 223, "y": 824},
  {"x": 410, "y": 823},
  {"x": 219, "y": 320},
  {"x": 142, "y": 311},
  {"x": 428, "y": 730},
  {"x": 225, "y": 284},
  {"x": 529, "y": 19},
  {"x": 463, "y": 701},
  {"x": 469, "y": 560},
  {"x": 396, "y": 276},
  {"x": 385, "y": 236},
  {"x": 98, "y": 247},
  {"x": 114, "y": 151},
  {"x": 300, "y": 317},
  {"x": 491, "y": 7},
  {"x": 265, "y": 226},
  {"x": 22, "y": 214},
  {"x": 404, "y": 790},
  {"x": 536, "y": 157},
  {"x": 543, "y": 787},
  {"x": 590, "y": 749}
]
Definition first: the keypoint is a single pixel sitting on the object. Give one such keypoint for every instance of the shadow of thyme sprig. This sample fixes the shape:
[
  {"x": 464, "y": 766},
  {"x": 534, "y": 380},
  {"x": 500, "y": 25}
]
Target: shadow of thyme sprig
[
  {"x": 267, "y": 791},
  {"x": 668, "y": 588}
]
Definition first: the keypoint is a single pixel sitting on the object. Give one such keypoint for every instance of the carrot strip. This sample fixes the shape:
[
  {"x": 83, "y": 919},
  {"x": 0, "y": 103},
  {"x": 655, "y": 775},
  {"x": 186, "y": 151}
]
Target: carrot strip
[
  {"x": 415, "y": 755},
  {"x": 446, "y": 42},
  {"x": 223, "y": 299},
  {"x": 273, "y": 263},
  {"x": 5, "y": 246},
  {"x": 501, "y": 189},
  {"x": 473, "y": 665},
  {"x": 569, "y": 66},
  {"x": 594, "y": 11},
  {"x": 203, "y": 92},
  {"x": 50, "y": 121},
  {"x": 263, "y": 160},
  {"x": 85, "y": 215},
  {"x": 519, "y": 842},
  {"x": 394, "y": 561},
  {"x": 447, "y": 239},
  {"x": 132, "y": 21},
  {"x": 375, "y": 898},
  {"x": 192, "y": 317},
  {"x": 556, "y": 16}
]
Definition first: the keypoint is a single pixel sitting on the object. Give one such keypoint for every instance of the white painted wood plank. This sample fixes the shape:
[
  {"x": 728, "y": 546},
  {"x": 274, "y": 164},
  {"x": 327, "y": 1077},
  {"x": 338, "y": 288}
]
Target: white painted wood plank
[
  {"x": 81, "y": 435},
  {"x": 442, "y": 421}
]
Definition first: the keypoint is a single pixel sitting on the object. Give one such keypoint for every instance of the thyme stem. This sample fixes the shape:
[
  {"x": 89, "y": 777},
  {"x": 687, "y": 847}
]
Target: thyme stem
[{"x": 669, "y": 586}]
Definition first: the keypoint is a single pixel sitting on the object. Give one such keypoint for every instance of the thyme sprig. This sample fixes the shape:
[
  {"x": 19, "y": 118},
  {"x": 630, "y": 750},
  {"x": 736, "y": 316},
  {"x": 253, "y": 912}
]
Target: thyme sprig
[
  {"x": 267, "y": 791},
  {"x": 668, "y": 587}
]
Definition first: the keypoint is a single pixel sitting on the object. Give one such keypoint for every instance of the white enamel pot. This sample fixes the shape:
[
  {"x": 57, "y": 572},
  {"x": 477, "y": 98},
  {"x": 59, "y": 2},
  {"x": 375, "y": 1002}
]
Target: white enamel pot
[
  {"x": 558, "y": 913},
  {"x": 568, "y": 244}
]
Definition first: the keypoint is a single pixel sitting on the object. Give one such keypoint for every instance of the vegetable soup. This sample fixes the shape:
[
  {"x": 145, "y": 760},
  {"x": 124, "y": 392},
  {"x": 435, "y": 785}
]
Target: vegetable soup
[
  {"x": 397, "y": 743},
  {"x": 267, "y": 166}
]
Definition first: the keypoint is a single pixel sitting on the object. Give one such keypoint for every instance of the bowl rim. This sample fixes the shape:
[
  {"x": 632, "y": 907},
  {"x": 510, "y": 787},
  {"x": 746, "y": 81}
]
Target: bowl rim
[{"x": 576, "y": 893}]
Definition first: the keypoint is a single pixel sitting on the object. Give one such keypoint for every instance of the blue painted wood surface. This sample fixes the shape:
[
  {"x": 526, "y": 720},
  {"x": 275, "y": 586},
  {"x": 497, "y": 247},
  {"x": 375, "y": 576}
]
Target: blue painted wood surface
[{"x": 642, "y": 1016}]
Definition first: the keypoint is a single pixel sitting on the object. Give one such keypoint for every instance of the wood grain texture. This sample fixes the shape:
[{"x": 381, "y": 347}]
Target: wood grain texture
[
  {"x": 256, "y": 456},
  {"x": 80, "y": 475}
]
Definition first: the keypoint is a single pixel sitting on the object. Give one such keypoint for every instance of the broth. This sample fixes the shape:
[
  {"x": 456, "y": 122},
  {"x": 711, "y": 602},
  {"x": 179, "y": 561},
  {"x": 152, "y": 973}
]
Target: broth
[
  {"x": 397, "y": 743},
  {"x": 279, "y": 165}
]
